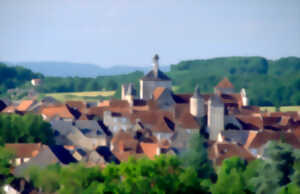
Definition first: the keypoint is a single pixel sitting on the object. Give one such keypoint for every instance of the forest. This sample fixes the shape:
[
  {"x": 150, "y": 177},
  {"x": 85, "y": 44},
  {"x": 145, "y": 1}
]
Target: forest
[{"x": 267, "y": 82}]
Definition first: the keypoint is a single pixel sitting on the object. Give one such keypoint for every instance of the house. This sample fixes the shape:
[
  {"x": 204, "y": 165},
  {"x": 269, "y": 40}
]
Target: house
[
  {"x": 257, "y": 139},
  {"x": 47, "y": 156},
  {"x": 163, "y": 98},
  {"x": 36, "y": 82},
  {"x": 221, "y": 151},
  {"x": 9, "y": 109},
  {"x": 61, "y": 130},
  {"x": 92, "y": 130},
  {"x": 25, "y": 105},
  {"x": 57, "y": 111},
  {"x": 77, "y": 108},
  {"x": 233, "y": 136},
  {"x": 19, "y": 186},
  {"x": 123, "y": 146},
  {"x": 94, "y": 158},
  {"x": 224, "y": 87},
  {"x": 116, "y": 122},
  {"x": 150, "y": 149},
  {"x": 24, "y": 152}
]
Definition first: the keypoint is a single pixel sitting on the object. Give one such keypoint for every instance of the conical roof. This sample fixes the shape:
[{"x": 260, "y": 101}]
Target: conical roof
[
  {"x": 225, "y": 83},
  {"x": 161, "y": 76},
  {"x": 197, "y": 92},
  {"x": 130, "y": 90}
]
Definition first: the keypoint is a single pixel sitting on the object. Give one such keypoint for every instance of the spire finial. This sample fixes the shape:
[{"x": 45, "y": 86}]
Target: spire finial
[
  {"x": 197, "y": 92},
  {"x": 155, "y": 63}
]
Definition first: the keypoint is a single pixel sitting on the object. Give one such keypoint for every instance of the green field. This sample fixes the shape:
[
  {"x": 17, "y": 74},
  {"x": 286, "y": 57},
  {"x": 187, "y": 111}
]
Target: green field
[
  {"x": 282, "y": 109},
  {"x": 86, "y": 96}
]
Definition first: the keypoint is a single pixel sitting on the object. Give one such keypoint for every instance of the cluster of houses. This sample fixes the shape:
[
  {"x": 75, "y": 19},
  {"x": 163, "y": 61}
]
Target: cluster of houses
[{"x": 157, "y": 121}]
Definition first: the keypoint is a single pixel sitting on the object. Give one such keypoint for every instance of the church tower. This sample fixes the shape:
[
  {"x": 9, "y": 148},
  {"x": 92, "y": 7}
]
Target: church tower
[
  {"x": 215, "y": 117},
  {"x": 197, "y": 108},
  {"x": 153, "y": 79}
]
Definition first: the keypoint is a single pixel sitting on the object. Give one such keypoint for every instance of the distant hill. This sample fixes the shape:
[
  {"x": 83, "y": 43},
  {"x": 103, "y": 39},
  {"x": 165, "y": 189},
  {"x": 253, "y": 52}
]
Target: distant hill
[
  {"x": 268, "y": 82},
  {"x": 65, "y": 69}
]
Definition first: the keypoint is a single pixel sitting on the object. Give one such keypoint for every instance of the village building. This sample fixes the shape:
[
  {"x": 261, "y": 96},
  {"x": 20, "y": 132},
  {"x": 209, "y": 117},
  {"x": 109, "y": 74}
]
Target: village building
[
  {"x": 24, "y": 152},
  {"x": 36, "y": 82},
  {"x": 153, "y": 79},
  {"x": 159, "y": 121}
]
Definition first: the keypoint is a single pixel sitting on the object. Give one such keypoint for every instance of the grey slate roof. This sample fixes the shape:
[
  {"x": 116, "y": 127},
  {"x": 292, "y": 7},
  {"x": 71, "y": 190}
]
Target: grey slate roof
[
  {"x": 161, "y": 76},
  {"x": 61, "y": 126},
  {"x": 131, "y": 90},
  {"x": 237, "y": 136},
  {"x": 49, "y": 155},
  {"x": 89, "y": 128},
  {"x": 49, "y": 100}
]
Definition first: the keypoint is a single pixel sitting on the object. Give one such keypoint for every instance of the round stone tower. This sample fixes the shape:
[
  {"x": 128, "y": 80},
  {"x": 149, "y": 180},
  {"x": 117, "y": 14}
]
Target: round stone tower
[{"x": 197, "y": 108}]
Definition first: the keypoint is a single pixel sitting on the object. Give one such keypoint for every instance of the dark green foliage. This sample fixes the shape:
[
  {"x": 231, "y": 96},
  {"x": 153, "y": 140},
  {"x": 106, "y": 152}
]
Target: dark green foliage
[
  {"x": 230, "y": 178},
  {"x": 5, "y": 165},
  {"x": 12, "y": 77},
  {"x": 163, "y": 175},
  {"x": 169, "y": 174},
  {"x": 268, "y": 83},
  {"x": 24, "y": 129},
  {"x": 196, "y": 157},
  {"x": 76, "y": 84},
  {"x": 275, "y": 172}
]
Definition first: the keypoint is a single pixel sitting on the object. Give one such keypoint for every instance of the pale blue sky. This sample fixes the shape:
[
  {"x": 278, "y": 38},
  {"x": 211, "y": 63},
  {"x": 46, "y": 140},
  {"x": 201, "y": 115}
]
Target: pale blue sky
[{"x": 114, "y": 32}]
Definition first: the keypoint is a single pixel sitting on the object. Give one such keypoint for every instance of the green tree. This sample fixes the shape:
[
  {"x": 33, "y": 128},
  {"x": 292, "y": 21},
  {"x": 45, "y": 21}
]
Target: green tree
[
  {"x": 5, "y": 166},
  {"x": 230, "y": 177},
  {"x": 276, "y": 169},
  {"x": 196, "y": 157},
  {"x": 25, "y": 129}
]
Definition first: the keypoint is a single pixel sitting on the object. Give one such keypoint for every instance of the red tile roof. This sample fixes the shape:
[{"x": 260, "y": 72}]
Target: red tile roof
[
  {"x": 24, "y": 105},
  {"x": 225, "y": 83},
  {"x": 234, "y": 98},
  {"x": 221, "y": 151},
  {"x": 150, "y": 149},
  {"x": 61, "y": 111},
  {"x": 96, "y": 111},
  {"x": 24, "y": 150},
  {"x": 250, "y": 122},
  {"x": 262, "y": 137},
  {"x": 9, "y": 109},
  {"x": 78, "y": 105},
  {"x": 161, "y": 121},
  {"x": 158, "y": 92},
  {"x": 184, "y": 118}
]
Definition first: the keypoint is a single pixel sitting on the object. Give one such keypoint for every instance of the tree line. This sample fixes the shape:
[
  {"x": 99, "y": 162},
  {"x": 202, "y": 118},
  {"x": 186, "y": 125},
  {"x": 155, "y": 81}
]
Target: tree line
[
  {"x": 267, "y": 82},
  {"x": 29, "y": 128}
]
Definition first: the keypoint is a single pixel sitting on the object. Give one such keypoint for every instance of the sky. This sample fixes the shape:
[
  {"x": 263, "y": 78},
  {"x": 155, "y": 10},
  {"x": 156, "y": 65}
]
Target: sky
[{"x": 130, "y": 32}]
